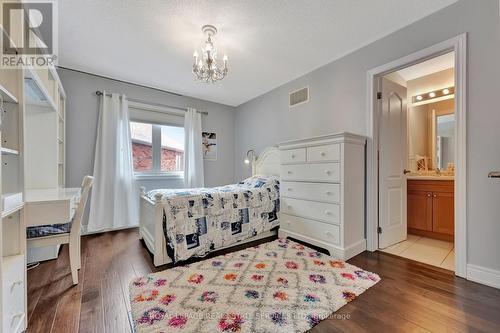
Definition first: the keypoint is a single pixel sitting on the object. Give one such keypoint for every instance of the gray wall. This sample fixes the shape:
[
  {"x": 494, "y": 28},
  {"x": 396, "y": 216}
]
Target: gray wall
[
  {"x": 338, "y": 93},
  {"x": 81, "y": 127}
]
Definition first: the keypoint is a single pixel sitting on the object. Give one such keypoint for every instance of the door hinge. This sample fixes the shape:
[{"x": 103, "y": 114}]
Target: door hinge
[
  {"x": 379, "y": 95},
  {"x": 379, "y": 230}
]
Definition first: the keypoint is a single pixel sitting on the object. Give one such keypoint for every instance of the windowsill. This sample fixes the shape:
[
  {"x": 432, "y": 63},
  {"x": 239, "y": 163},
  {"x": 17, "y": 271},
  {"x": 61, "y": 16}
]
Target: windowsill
[{"x": 159, "y": 175}]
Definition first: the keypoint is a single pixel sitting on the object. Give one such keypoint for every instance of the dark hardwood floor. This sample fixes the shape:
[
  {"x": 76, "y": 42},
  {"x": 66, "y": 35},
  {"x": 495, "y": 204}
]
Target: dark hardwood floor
[{"x": 411, "y": 297}]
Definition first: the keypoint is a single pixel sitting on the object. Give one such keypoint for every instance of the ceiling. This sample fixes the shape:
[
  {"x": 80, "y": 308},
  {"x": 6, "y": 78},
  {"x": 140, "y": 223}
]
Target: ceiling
[
  {"x": 430, "y": 66},
  {"x": 268, "y": 42}
]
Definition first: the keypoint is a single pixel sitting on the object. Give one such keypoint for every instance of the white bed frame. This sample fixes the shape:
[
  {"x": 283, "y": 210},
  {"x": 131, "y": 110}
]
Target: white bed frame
[{"x": 151, "y": 211}]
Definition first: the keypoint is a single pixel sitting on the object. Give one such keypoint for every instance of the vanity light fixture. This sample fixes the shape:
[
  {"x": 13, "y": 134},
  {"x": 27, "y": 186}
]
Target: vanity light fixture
[{"x": 444, "y": 93}]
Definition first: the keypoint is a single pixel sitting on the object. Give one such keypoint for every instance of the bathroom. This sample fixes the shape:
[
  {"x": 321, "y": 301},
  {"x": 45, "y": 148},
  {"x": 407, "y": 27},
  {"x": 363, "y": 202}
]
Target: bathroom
[{"x": 430, "y": 163}]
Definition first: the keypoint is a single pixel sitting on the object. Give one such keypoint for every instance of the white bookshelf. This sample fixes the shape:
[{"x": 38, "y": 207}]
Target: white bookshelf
[
  {"x": 32, "y": 146},
  {"x": 61, "y": 138},
  {"x": 13, "y": 304}
]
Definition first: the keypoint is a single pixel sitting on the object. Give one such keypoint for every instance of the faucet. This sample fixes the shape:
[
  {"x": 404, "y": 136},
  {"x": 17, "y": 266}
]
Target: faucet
[{"x": 438, "y": 171}]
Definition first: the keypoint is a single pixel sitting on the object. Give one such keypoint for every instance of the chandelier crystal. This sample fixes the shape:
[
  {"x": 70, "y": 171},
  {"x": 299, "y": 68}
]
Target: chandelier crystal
[{"x": 206, "y": 68}]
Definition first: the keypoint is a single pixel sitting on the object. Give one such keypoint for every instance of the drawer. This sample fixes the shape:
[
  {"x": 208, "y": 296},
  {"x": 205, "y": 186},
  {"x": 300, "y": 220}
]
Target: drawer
[
  {"x": 293, "y": 156},
  {"x": 328, "y": 233},
  {"x": 311, "y": 191},
  {"x": 324, "y": 172},
  {"x": 328, "y": 213},
  {"x": 323, "y": 153},
  {"x": 48, "y": 213}
]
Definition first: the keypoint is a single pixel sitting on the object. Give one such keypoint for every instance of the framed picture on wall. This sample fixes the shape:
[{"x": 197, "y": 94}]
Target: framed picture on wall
[{"x": 209, "y": 145}]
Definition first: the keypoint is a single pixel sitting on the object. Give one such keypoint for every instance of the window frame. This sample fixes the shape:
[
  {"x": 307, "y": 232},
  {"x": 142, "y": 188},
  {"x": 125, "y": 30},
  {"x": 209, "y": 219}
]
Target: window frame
[{"x": 155, "y": 172}]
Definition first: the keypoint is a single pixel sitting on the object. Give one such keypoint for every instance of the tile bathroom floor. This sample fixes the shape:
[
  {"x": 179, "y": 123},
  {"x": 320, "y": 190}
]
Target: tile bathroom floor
[{"x": 430, "y": 251}]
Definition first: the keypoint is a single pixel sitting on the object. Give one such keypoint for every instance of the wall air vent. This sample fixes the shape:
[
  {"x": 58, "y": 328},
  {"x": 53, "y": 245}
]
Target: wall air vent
[{"x": 298, "y": 97}]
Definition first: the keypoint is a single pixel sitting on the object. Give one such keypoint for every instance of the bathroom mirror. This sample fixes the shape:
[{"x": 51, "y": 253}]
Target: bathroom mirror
[
  {"x": 445, "y": 140},
  {"x": 431, "y": 136}
]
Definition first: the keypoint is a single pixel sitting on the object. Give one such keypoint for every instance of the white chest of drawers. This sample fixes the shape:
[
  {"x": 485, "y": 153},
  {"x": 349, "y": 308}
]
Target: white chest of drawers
[{"x": 323, "y": 192}]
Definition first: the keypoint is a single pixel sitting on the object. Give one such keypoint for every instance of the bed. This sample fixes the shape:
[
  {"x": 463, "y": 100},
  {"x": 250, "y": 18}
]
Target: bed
[{"x": 183, "y": 223}]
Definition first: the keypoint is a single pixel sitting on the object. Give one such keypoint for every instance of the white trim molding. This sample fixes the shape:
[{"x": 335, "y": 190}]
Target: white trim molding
[
  {"x": 459, "y": 46},
  {"x": 483, "y": 275}
]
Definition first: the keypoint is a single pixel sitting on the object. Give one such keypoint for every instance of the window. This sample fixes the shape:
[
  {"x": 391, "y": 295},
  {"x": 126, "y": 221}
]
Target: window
[
  {"x": 172, "y": 148},
  {"x": 158, "y": 150},
  {"x": 142, "y": 146}
]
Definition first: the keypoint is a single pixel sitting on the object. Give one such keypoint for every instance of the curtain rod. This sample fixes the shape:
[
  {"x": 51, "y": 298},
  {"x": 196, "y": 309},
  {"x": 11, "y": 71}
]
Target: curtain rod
[{"x": 99, "y": 93}]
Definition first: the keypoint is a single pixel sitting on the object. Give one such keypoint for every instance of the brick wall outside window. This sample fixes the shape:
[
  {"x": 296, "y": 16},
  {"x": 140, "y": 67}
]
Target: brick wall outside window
[{"x": 143, "y": 158}]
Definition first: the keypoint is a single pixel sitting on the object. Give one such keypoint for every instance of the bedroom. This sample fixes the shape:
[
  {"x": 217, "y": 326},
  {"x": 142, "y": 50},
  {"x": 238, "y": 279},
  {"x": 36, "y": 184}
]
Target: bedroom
[{"x": 294, "y": 103}]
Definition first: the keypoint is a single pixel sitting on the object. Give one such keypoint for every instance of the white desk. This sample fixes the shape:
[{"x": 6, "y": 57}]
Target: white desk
[{"x": 50, "y": 206}]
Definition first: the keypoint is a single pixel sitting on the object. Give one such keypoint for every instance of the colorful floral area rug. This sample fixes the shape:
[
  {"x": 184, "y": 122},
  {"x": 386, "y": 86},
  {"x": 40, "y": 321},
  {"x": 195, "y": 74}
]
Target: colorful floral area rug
[{"x": 281, "y": 286}]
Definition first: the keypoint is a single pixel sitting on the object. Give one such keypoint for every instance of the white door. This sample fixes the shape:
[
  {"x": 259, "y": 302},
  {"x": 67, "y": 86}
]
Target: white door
[{"x": 392, "y": 163}]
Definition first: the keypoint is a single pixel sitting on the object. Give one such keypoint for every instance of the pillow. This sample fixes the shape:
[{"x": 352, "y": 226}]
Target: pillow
[{"x": 259, "y": 181}]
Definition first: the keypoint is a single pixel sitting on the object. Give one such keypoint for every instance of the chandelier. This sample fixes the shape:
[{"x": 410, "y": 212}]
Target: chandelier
[{"x": 206, "y": 68}]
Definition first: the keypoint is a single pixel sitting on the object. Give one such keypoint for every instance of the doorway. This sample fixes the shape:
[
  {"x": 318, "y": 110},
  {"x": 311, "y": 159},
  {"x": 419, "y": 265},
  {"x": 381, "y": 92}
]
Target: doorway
[
  {"x": 390, "y": 206},
  {"x": 417, "y": 162}
]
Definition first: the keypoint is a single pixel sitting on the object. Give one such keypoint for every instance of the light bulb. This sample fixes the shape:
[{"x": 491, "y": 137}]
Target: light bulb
[
  {"x": 247, "y": 161},
  {"x": 432, "y": 95},
  {"x": 195, "y": 54},
  {"x": 225, "y": 58},
  {"x": 419, "y": 98},
  {"x": 446, "y": 91}
]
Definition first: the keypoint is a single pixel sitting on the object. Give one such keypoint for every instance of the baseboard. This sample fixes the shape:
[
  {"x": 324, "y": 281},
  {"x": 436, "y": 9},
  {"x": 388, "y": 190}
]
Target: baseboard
[
  {"x": 483, "y": 275},
  {"x": 432, "y": 234},
  {"x": 335, "y": 251},
  {"x": 86, "y": 233},
  {"x": 355, "y": 249}
]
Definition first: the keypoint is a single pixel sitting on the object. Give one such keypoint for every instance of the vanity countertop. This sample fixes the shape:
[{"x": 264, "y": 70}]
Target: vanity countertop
[{"x": 429, "y": 177}]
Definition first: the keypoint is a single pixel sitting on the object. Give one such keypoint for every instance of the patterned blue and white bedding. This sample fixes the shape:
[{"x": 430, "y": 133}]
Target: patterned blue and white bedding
[{"x": 197, "y": 221}]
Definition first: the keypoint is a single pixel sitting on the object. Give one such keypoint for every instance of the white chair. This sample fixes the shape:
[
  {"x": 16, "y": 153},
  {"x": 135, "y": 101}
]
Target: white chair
[{"x": 67, "y": 233}]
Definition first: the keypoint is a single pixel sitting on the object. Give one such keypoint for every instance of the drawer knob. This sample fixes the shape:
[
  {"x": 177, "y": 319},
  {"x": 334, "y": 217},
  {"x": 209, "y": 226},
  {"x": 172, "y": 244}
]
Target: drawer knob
[
  {"x": 329, "y": 234},
  {"x": 328, "y": 192},
  {"x": 328, "y": 172},
  {"x": 328, "y": 213},
  {"x": 435, "y": 196},
  {"x": 289, "y": 189},
  {"x": 323, "y": 153},
  {"x": 429, "y": 195},
  {"x": 289, "y": 172},
  {"x": 293, "y": 156},
  {"x": 289, "y": 206}
]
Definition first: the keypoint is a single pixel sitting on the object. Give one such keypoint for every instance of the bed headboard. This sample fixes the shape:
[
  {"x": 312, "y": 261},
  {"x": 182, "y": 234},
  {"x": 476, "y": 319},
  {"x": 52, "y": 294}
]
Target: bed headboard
[{"x": 268, "y": 163}]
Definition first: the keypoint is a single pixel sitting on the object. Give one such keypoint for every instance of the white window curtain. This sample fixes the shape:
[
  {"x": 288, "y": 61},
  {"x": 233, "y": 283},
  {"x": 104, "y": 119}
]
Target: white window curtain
[
  {"x": 115, "y": 199},
  {"x": 193, "y": 150}
]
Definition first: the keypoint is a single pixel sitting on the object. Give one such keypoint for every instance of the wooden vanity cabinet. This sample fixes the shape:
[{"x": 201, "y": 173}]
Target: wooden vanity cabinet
[{"x": 430, "y": 209}]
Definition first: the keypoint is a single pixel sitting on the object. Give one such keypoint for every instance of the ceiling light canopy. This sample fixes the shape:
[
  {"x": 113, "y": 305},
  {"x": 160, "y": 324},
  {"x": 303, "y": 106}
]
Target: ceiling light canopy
[{"x": 206, "y": 68}]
